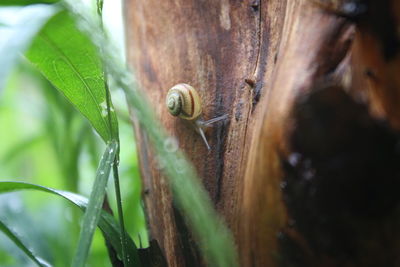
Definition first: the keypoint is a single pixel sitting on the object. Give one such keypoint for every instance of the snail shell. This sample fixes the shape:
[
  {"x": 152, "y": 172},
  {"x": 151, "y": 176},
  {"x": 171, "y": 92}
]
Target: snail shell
[{"x": 184, "y": 101}]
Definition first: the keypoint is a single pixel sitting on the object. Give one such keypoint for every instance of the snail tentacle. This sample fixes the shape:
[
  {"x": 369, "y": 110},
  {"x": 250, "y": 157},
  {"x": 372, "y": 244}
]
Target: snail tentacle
[
  {"x": 212, "y": 121},
  {"x": 203, "y": 136}
]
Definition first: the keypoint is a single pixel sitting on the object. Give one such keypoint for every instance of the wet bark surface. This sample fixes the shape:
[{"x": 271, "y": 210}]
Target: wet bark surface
[
  {"x": 305, "y": 170},
  {"x": 221, "y": 48}
]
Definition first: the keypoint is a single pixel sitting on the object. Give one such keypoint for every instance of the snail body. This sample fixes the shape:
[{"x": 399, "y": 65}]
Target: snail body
[{"x": 184, "y": 102}]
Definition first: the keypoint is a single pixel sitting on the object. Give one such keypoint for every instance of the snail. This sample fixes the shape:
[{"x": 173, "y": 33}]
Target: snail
[{"x": 184, "y": 102}]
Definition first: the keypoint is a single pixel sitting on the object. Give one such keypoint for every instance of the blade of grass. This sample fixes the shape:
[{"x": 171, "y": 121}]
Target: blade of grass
[
  {"x": 93, "y": 211},
  {"x": 107, "y": 223},
  {"x": 14, "y": 238},
  {"x": 215, "y": 240}
]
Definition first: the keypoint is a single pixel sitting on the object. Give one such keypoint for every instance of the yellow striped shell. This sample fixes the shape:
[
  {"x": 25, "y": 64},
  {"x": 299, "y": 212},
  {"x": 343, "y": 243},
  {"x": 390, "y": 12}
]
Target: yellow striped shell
[{"x": 184, "y": 101}]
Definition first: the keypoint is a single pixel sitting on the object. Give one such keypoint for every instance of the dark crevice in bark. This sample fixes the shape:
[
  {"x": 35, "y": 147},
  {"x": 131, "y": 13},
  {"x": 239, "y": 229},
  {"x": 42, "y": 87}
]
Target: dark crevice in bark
[
  {"x": 257, "y": 85},
  {"x": 190, "y": 250},
  {"x": 340, "y": 181}
]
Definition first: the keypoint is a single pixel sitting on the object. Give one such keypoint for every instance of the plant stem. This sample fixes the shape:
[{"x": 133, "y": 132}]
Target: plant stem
[
  {"x": 120, "y": 212},
  {"x": 116, "y": 160}
]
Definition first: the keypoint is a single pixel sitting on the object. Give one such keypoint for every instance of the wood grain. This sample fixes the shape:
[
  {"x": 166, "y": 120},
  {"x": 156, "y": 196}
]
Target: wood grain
[
  {"x": 308, "y": 86},
  {"x": 309, "y": 35},
  {"x": 213, "y": 46},
  {"x": 314, "y": 166}
]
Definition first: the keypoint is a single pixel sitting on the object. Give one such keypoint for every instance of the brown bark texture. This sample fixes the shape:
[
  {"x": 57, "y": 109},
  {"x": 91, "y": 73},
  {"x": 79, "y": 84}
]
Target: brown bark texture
[{"x": 305, "y": 171}]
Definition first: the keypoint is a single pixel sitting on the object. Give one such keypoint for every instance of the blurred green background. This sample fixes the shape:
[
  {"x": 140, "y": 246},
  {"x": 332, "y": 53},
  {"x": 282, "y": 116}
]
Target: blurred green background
[{"x": 46, "y": 142}]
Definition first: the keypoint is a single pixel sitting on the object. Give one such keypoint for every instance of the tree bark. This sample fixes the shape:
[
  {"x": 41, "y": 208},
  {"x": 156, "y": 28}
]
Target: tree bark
[
  {"x": 304, "y": 169},
  {"x": 215, "y": 46}
]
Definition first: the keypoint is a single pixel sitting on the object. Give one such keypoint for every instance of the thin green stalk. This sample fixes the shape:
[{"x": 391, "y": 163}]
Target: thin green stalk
[
  {"x": 120, "y": 212},
  {"x": 99, "y": 4},
  {"x": 116, "y": 181},
  {"x": 116, "y": 160}
]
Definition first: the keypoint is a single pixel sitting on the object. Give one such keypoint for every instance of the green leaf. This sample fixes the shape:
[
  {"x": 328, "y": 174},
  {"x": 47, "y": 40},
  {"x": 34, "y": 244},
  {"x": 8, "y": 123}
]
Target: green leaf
[
  {"x": 70, "y": 61},
  {"x": 18, "y": 32},
  {"x": 93, "y": 211},
  {"x": 107, "y": 223},
  {"x": 14, "y": 238},
  {"x": 25, "y": 2}
]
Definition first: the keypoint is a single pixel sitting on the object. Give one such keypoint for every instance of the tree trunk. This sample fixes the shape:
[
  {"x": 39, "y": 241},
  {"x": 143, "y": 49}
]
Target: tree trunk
[{"x": 305, "y": 169}]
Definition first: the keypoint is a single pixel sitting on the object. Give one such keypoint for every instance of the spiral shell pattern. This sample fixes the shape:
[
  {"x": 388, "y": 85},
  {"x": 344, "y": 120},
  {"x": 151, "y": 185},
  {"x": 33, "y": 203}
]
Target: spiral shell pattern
[{"x": 184, "y": 101}]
